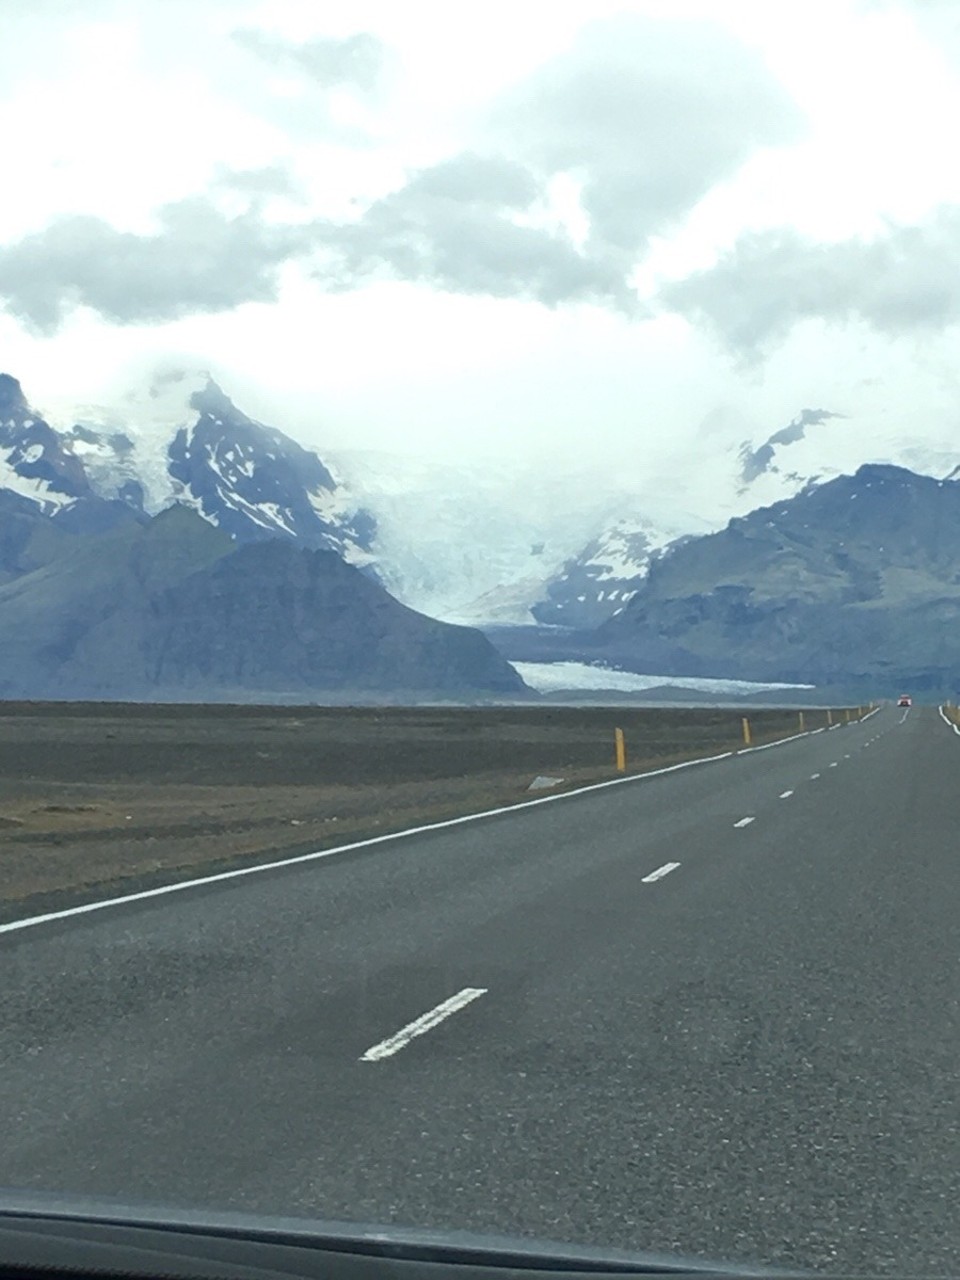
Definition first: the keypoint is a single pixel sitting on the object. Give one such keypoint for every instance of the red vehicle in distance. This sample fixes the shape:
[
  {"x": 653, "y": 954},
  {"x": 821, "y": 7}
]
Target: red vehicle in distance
[{"x": 904, "y": 700}]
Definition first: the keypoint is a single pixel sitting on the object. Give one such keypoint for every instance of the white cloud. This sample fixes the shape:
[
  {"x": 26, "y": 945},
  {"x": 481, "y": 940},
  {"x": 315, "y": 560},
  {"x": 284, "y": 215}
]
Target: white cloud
[
  {"x": 328, "y": 61},
  {"x": 488, "y": 190},
  {"x": 196, "y": 260},
  {"x": 644, "y": 116},
  {"x": 649, "y": 115},
  {"x": 904, "y": 281}
]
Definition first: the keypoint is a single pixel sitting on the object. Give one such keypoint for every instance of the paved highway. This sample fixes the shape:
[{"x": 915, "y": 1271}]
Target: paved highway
[{"x": 714, "y": 1011}]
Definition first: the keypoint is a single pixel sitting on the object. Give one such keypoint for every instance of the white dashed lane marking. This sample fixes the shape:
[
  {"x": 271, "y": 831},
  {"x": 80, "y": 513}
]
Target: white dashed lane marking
[
  {"x": 744, "y": 822},
  {"x": 660, "y": 872},
  {"x": 785, "y": 795},
  {"x": 387, "y": 1048}
]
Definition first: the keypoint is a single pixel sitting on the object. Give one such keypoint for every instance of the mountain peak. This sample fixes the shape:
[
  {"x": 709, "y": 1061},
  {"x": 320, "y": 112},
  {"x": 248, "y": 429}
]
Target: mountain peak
[
  {"x": 887, "y": 471},
  {"x": 254, "y": 482},
  {"x": 211, "y": 400},
  {"x": 12, "y": 399},
  {"x": 755, "y": 462}
]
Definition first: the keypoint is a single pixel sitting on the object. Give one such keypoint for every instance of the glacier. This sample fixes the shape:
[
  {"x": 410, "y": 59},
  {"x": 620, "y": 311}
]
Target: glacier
[{"x": 565, "y": 677}]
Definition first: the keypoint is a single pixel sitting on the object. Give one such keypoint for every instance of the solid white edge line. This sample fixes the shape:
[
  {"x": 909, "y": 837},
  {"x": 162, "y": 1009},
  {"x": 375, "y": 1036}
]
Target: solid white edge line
[
  {"x": 947, "y": 721},
  {"x": 660, "y": 872},
  {"x": 393, "y": 1044},
  {"x": 298, "y": 859},
  {"x": 744, "y": 822},
  {"x": 765, "y": 746},
  {"x": 221, "y": 877}
]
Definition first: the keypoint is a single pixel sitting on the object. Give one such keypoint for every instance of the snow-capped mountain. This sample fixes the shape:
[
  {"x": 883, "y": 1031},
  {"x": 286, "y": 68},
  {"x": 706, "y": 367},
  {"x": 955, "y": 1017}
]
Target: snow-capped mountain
[
  {"x": 41, "y": 478},
  {"x": 186, "y": 442},
  {"x": 476, "y": 544},
  {"x": 481, "y": 543},
  {"x": 598, "y": 582},
  {"x": 254, "y": 482}
]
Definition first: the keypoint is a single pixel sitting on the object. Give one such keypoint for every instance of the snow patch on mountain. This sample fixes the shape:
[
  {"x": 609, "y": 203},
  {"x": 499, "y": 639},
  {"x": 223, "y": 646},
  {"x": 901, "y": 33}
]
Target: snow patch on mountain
[
  {"x": 34, "y": 462},
  {"x": 37, "y": 490},
  {"x": 605, "y": 575},
  {"x": 112, "y": 463},
  {"x": 124, "y": 445}
]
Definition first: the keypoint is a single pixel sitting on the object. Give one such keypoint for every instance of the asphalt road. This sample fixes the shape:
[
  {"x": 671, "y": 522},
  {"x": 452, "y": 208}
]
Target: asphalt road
[{"x": 643, "y": 1021}]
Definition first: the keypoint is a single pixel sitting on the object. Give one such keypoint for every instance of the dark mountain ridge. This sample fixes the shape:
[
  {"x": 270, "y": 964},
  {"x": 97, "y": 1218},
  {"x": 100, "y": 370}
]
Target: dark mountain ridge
[
  {"x": 175, "y": 610},
  {"x": 857, "y": 578}
]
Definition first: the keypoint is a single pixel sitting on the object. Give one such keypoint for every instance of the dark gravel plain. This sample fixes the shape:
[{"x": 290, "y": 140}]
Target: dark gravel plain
[{"x": 95, "y": 794}]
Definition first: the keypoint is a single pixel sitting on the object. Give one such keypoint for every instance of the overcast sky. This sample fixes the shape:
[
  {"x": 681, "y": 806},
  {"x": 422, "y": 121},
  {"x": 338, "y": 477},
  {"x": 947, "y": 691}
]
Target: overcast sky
[{"x": 579, "y": 228}]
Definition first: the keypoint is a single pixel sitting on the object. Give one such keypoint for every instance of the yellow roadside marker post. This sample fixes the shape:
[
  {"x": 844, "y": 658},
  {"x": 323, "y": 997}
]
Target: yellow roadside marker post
[
  {"x": 829, "y": 716},
  {"x": 802, "y": 722},
  {"x": 746, "y": 732},
  {"x": 621, "y": 750}
]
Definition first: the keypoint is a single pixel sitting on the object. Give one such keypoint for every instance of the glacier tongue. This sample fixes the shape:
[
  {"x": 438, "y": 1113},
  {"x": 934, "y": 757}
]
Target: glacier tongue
[
  {"x": 568, "y": 677},
  {"x": 477, "y": 543}
]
